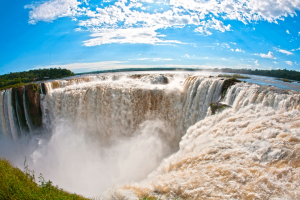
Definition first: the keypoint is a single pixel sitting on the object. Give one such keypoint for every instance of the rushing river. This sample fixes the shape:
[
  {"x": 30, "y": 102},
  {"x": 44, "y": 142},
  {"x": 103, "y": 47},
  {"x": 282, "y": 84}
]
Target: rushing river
[{"x": 129, "y": 135}]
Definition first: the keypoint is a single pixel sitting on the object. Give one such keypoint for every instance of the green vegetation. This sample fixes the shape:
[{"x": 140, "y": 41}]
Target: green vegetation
[
  {"x": 21, "y": 78},
  {"x": 215, "y": 107},
  {"x": 15, "y": 184},
  {"x": 36, "y": 88},
  {"x": 284, "y": 80},
  {"x": 233, "y": 76},
  {"x": 227, "y": 83}
]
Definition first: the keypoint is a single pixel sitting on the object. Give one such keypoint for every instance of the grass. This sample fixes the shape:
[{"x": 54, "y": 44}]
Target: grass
[
  {"x": 233, "y": 76},
  {"x": 15, "y": 184},
  {"x": 284, "y": 80}
]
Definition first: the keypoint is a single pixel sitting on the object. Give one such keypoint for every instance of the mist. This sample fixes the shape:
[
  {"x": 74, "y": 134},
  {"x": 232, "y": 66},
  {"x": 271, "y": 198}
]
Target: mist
[{"x": 75, "y": 162}]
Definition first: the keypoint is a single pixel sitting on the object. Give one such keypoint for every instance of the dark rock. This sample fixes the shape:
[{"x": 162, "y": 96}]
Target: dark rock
[
  {"x": 33, "y": 104},
  {"x": 217, "y": 106},
  {"x": 19, "y": 92},
  {"x": 44, "y": 88},
  {"x": 227, "y": 83}
]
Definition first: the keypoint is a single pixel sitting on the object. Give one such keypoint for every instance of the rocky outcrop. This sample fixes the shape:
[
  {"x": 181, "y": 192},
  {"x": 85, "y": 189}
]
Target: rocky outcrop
[
  {"x": 43, "y": 88},
  {"x": 217, "y": 107},
  {"x": 19, "y": 107},
  {"x": 33, "y": 104},
  {"x": 227, "y": 83}
]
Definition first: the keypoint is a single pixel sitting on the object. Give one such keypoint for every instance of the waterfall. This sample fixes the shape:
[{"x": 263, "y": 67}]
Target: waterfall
[
  {"x": 6, "y": 106},
  {"x": 2, "y": 119},
  {"x": 22, "y": 130},
  {"x": 248, "y": 150},
  {"x": 28, "y": 121},
  {"x": 113, "y": 109},
  {"x": 42, "y": 91},
  {"x": 13, "y": 123}
]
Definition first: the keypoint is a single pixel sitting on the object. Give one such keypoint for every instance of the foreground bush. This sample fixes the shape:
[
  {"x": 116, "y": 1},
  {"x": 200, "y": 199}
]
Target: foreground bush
[{"x": 15, "y": 184}]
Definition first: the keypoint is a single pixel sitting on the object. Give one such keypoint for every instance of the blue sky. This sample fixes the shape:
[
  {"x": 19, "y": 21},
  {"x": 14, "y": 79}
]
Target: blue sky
[{"x": 89, "y": 35}]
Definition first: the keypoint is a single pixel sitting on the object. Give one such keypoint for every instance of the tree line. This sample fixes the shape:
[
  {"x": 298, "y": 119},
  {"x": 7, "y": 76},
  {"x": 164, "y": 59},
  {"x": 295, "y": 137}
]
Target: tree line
[
  {"x": 278, "y": 73},
  {"x": 15, "y": 79},
  {"x": 20, "y": 78}
]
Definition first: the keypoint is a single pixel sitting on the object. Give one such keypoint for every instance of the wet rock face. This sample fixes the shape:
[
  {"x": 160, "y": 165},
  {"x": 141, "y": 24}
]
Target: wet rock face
[
  {"x": 227, "y": 84},
  {"x": 33, "y": 104},
  {"x": 43, "y": 88},
  {"x": 217, "y": 106},
  {"x": 19, "y": 92}
]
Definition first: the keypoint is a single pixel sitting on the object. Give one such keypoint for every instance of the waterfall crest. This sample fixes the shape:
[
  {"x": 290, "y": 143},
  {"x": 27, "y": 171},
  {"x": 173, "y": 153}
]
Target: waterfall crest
[{"x": 111, "y": 109}]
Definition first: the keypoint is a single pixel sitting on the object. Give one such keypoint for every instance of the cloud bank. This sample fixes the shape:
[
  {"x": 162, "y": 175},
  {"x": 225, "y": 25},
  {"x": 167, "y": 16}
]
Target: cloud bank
[{"x": 110, "y": 22}]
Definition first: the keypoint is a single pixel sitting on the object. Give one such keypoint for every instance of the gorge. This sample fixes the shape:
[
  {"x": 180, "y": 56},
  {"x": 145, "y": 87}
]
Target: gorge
[{"x": 131, "y": 135}]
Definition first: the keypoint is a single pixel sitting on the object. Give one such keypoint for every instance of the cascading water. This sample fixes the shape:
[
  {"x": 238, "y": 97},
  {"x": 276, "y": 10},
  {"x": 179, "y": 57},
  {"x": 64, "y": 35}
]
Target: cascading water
[
  {"x": 105, "y": 130},
  {"x": 250, "y": 151},
  {"x": 113, "y": 109}
]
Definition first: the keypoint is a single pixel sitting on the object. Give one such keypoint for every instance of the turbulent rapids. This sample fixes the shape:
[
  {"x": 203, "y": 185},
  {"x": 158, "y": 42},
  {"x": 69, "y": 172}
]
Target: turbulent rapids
[{"x": 127, "y": 136}]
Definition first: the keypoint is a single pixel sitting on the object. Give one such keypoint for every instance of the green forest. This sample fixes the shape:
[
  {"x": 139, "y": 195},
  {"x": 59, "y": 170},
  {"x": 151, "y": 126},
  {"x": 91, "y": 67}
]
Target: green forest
[
  {"x": 278, "y": 73},
  {"x": 20, "y": 78}
]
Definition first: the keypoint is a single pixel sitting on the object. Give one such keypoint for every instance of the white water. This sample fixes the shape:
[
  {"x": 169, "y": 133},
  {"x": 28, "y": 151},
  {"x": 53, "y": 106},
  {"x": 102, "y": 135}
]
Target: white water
[
  {"x": 251, "y": 151},
  {"x": 12, "y": 118},
  {"x": 110, "y": 130},
  {"x": 2, "y": 120},
  {"x": 26, "y": 113},
  {"x": 6, "y": 110}
]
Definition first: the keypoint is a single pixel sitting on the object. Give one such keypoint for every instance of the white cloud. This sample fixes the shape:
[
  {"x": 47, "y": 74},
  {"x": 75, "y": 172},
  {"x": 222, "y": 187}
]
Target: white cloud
[
  {"x": 239, "y": 50},
  {"x": 142, "y": 59},
  {"x": 89, "y": 66},
  {"x": 160, "y": 59},
  {"x": 256, "y": 63},
  {"x": 186, "y": 56},
  {"x": 242, "y": 10},
  {"x": 51, "y": 10},
  {"x": 275, "y": 62},
  {"x": 153, "y": 59},
  {"x": 285, "y": 52},
  {"x": 287, "y": 31},
  {"x": 121, "y": 15},
  {"x": 269, "y": 55},
  {"x": 206, "y": 57},
  {"x": 212, "y": 24},
  {"x": 289, "y": 63},
  {"x": 130, "y": 35}
]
